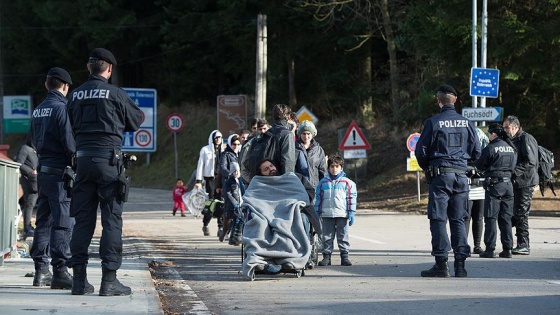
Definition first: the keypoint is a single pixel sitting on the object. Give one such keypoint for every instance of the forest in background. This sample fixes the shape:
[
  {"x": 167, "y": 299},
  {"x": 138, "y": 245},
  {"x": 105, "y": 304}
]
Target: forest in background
[{"x": 379, "y": 59}]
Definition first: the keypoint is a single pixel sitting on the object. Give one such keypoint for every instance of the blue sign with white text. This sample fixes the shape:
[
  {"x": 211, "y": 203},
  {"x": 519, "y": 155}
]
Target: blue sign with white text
[
  {"x": 485, "y": 82},
  {"x": 144, "y": 139}
]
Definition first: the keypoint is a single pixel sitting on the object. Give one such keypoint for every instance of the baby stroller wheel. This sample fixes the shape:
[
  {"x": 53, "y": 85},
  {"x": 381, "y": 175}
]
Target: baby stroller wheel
[{"x": 299, "y": 273}]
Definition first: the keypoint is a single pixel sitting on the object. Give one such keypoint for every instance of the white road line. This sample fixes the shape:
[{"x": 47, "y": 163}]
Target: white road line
[{"x": 367, "y": 239}]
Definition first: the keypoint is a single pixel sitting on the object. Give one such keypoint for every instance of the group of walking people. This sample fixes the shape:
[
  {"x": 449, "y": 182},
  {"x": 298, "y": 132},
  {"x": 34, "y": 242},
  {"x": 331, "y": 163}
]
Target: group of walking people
[{"x": 285, "y": 146}]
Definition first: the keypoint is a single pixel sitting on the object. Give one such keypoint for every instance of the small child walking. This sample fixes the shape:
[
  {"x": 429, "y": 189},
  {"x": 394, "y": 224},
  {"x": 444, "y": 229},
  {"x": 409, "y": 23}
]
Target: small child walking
[
  {"x": 335, "y": 202},
  {"x": 178, "y": 193}
]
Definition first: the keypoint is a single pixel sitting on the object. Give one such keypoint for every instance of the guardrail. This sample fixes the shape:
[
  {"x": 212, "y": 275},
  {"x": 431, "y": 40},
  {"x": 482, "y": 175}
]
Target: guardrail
[{"x": 9, "y": 181}]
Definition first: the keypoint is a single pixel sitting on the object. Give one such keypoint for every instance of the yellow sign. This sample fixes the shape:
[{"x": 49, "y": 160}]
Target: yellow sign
[
  {"x": 412, "y": 165},
  {"x": 305, "y": 114}
]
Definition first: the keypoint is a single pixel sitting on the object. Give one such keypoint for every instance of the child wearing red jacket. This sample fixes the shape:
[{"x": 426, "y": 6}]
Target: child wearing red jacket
[{"x": 178, "y": 192}]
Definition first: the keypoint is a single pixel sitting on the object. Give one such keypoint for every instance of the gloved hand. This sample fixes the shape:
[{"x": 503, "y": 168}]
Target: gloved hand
[
  {"x": 471, "y": 171},
  {"x": 351, "y": 217}
]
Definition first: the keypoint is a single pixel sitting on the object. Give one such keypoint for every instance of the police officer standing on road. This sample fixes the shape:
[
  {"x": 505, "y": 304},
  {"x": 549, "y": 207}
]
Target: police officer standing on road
[
  {"x": 525, "y": 180},
  {"x": 52, "y": 137},
  {"x": 99, "y": 113},
  {"x": 448, "y": 141},
  {"x": 498, "y": 162}
]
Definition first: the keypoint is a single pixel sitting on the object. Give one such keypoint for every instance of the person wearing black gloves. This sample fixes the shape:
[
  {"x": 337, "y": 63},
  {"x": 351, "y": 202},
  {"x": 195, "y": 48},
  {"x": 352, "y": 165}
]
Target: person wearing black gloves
[
  {"x": 498, "y": 161},
  {"x": 448, "y": 141},
  {"x": 100, "y": 112}
]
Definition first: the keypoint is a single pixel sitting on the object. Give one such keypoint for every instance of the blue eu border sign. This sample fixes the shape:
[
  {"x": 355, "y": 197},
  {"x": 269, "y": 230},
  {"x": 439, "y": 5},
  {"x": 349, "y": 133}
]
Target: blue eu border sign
[
  {"x": 144, "y": 139},
  {"x": 485, "y": 82}
]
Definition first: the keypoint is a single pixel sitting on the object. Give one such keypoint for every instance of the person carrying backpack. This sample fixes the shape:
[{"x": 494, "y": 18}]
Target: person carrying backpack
[
  {"x": 276, "y": 144},
  {"x": 525, "y": 180},
  {"x": 284, "y": 155}
]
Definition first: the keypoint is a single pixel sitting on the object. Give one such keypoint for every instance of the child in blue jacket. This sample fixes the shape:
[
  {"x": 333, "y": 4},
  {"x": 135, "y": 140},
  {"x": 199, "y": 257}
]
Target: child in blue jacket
[{"x": 335, "y": 202}]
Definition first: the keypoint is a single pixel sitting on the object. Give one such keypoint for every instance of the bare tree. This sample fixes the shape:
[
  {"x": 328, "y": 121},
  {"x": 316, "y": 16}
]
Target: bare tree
[{"x": 369, "y": 18}]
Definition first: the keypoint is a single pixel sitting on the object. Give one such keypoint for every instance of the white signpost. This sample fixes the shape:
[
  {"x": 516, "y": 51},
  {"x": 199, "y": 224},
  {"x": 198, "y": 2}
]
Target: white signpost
[{"x": 483, "y": 113}]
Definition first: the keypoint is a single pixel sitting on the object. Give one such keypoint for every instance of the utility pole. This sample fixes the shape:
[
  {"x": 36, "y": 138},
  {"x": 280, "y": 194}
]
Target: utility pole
[
  {"x": 1, "y": 84},
  {"x": 260, "y": 93},
  {"x": 474, "y": 44}
]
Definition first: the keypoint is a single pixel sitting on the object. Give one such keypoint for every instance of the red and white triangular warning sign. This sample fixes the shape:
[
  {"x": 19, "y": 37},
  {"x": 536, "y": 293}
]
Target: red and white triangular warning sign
[{"x": 354, "y": 138}]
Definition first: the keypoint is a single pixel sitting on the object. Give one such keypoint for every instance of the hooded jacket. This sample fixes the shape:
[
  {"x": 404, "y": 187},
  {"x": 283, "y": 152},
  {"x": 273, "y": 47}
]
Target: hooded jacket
[
  {"x": 229, "y": 155},
  {"x": 335, "y": 196},
  {"x": 207, "y": 158}
]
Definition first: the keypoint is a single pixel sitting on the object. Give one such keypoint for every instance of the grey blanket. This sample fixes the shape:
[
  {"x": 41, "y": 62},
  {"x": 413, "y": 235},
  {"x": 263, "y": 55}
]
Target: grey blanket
[{"x": 275, "y": 234}]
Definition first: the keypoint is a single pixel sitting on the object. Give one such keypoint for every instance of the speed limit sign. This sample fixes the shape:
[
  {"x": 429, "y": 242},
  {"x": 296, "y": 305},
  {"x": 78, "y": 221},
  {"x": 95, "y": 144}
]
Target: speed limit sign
[{"x": 175, "y": 122}]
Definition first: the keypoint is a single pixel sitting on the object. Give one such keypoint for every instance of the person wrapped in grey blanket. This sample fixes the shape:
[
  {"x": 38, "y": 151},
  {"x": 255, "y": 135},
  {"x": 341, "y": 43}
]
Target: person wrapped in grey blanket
[{"x": 275, "y": 233}]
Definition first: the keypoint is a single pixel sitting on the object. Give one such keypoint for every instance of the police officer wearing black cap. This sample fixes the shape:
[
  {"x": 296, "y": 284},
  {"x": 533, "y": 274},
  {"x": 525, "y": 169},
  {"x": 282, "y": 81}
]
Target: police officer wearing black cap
[
  {"x": 51, "y": 135},
  {"x": 448, "y": 141},
  {"x": 99, "y": 113},
  {"x": 498, "y": 161}
]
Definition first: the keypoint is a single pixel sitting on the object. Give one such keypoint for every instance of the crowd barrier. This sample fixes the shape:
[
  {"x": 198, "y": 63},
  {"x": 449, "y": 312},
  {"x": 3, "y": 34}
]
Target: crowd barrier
[{"x": 9, "y": 181}]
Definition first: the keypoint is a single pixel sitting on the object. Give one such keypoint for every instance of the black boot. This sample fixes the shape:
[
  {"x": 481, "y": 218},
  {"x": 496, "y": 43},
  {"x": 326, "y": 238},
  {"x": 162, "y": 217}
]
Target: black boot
[
  {"x": 111, "y": 286},
  {"x": 80, "y": 284},
  {"x": 62, "y": 279},
  {"x": 326, "y": 260},
  {"x": 440, "y": 269},
  {"x": 487, "y": 254},
  {"x": 460, "y": 271},
  {"x": 506, "y": 253},
  {"x": 344, "y": 261},
  {"x": 43, "y": 278}
]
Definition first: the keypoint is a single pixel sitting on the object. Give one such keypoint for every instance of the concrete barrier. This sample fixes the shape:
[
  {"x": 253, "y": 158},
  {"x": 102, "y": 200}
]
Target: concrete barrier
[{"x": 9, "y": 181}]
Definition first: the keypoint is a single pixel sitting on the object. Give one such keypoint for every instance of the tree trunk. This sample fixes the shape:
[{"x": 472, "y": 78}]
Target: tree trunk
[
  {"x": 366, "y": 109},
  {"x": 291, "y": 83},
  {"x": 393, "y": 66}
]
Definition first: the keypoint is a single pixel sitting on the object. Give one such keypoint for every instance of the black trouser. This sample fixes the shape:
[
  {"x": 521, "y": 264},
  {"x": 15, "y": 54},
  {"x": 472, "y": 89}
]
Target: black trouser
[
  {"x": 218, "y": 212},
  {"x": 53, "y": 225},
  {"x": 522, "y": 206},
  {"x": 96, "y": 185},
  {"x": 29, "y": 199},
  {"x": 476, "y": 215},
  {"x": 448, "y": 199},
  {"x": 498, "y": 205}
]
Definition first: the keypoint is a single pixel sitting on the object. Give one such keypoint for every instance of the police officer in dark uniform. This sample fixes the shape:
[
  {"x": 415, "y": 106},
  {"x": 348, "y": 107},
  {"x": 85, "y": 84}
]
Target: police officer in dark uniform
[
  {"x": 448, "y": 141},
  {"x": 526, "y": 179},
  {"x": 99, "y": 113},
  {"x": 498, "y": 161},
  {"x": 52, "y": 137}
]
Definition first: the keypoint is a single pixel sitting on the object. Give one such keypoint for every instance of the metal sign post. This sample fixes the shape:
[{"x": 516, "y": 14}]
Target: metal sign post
[
  {"x": 411, "y": 162},
  {"x": 175, "y": 123}
]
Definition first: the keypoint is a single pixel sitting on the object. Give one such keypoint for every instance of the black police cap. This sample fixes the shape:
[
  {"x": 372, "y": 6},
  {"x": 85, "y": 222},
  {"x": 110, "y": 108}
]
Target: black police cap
[
  {"x": 60, "y": 74},
  {"x": 495, "y": 128},
  {"x": 447, "y": 89},
  {"x": 103, "y": 54}
]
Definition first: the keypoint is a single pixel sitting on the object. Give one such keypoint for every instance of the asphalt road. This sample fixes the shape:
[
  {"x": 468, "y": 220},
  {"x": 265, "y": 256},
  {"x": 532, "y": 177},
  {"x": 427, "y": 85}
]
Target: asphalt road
[{"x": 200, "y": 275}]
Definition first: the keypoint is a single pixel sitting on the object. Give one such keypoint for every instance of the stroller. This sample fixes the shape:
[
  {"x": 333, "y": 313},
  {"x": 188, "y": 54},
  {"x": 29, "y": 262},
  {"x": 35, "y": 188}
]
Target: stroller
[{"x": 277, "y": 237}]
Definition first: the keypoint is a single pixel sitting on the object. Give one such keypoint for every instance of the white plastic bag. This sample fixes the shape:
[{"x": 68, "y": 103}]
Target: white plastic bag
[{"x": 194, "y": 201}]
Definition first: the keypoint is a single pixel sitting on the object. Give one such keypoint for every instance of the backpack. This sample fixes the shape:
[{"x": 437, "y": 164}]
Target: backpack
[
  {"x": 546, "y": 164},
  {"x": 262, "y": 147}
]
